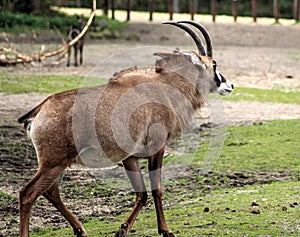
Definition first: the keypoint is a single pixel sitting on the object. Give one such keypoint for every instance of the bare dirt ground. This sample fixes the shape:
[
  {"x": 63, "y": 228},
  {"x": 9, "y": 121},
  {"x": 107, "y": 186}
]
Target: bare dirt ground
[{"x": 260, "y": 56}]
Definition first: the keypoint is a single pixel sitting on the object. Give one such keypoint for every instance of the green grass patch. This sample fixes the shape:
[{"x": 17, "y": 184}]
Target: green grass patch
[
  {"x": 271, "y": 145},
  {"x": 45, "y": 84},
  {"x": 5, "y": 200},
  {"x": 229, "y": 213},
  {"x": 263, "y": 95}
]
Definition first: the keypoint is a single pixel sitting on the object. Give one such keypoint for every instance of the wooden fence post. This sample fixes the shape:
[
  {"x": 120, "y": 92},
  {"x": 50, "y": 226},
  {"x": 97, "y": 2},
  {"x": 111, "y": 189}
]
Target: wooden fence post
[
  {"x": 213, "y": 9},
  {"x": 128, "y": 3},
  {"x": 105, "y": 7},
  {"x": 192, "y": 8},
  {"x": 254, "y": 10},
  {"x": 171, "y": 9},
  {"x": 151, "y": 9},
  {"x": 296, "y": 9},
  {"x": 113, "y": 9},
  {"x": 235, "y": 9},
  {"x": 276, "y": 10}
]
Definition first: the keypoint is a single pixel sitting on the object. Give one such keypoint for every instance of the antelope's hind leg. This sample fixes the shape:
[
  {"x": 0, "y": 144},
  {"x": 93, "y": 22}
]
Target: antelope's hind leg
[
  {"x": 68, "y": 56},
  {"x": 52, "y": 194},
  {"x": 76, "y": 55},
  {"x": 38, "y": 185},
  {"x": 135, "y": 176},
  {"x": 81, "y": 52}
]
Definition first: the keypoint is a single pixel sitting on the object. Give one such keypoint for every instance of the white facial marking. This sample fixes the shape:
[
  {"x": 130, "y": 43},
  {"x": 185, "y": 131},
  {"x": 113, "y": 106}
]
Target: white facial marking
[
  {"x": 219, "y": 75},
  {"x": 225, "y": 88}
]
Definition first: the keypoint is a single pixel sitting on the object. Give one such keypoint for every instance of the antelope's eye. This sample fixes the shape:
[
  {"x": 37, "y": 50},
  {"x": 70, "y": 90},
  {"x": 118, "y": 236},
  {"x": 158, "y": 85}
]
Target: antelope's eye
[{"x": 214, "y": 64}]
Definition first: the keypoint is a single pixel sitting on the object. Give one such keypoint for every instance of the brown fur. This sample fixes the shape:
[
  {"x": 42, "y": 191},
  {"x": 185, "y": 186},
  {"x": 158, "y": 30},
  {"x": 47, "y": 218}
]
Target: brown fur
[{"x": 134, "y": 115}]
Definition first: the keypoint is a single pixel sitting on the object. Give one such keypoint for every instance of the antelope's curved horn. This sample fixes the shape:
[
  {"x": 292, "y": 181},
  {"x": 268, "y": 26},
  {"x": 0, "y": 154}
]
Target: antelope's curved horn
[
  {"x": 205, "y": 34},
  {"x": 192, "y": 33}
]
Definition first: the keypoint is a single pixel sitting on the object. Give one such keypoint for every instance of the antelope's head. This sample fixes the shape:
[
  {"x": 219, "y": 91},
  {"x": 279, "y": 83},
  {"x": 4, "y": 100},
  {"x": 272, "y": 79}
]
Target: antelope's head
[{"x": 208, "y": 75}]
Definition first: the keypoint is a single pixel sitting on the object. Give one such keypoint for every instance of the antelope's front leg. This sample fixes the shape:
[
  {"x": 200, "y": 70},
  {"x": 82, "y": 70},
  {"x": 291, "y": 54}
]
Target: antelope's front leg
[
  {"x": 135, "y": 176},
  {"x": 76, "y": 55},
  {"x": 68, "y": 56},
  {"x": 155, "y": 165},
  {"x": 80, "y": 53},
  {"x": 52, "y": 194}
]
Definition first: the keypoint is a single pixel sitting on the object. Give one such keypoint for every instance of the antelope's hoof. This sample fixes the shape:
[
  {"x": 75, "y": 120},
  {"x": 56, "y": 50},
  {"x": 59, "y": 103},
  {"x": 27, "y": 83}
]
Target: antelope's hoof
[
  {"x": 167, "y": 234},
  {"x": 78, "y": 233},
  {"x": 120, "y": 233}
]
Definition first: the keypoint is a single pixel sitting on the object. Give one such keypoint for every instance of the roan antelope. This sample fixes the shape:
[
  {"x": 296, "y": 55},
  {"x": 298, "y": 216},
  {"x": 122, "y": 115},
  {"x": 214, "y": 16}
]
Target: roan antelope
[
  {"x": 73, "y": 32},
  {"x": 133, "y": 116}
]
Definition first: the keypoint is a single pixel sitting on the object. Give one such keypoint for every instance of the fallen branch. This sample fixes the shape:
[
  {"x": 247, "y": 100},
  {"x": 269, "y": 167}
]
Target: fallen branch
[{"x": 23, "y": 58}]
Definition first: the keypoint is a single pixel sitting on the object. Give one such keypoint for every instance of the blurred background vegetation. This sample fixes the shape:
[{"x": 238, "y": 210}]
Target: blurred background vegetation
[
  {"x": 39, "y": 14},
  {"x": 265, "y": 7}
]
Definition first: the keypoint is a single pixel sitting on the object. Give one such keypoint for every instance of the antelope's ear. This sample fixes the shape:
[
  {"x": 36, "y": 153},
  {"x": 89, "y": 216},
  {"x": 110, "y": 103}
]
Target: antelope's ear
[
  {"x": 163, "y": 54},
  {"x": 193, "y": 57}
]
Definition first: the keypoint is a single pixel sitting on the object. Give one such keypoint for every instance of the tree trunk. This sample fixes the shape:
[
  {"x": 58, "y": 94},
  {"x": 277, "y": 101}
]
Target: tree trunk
[
  {"x": 176, "y": 6},
  {"x": 35, "y": 6}
]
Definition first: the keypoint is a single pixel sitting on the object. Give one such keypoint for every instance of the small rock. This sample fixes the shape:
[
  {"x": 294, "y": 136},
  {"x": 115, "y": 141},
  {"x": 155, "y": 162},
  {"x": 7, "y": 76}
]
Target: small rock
[
  {"x": 255, "y": 210},
  {"x": 206, "y": 209},
  {"x": 36, "y": 229},
  {"x": 164, "y": 38},
  {"x": 254, "y": 204}
]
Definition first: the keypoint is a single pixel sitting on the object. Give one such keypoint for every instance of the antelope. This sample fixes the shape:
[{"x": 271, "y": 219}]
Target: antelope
[
  {"x": 78, "y": 46},
  {"x": 131, "y": 117}
]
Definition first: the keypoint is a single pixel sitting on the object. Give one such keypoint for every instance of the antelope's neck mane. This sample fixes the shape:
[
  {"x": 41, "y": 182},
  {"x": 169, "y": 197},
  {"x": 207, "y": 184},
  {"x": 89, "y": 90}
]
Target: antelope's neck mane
[{"x": 129, "y": 78}]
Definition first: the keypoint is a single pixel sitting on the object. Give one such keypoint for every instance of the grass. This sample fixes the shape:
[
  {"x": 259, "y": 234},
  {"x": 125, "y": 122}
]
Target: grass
[
  {"x": 264, "y": 151},
  {"x": 263, "y": 95},
  {"x": 23, "y": 83},
  {"x": 44, "y": 84},
  {"x": 270, "y": 147},
  {"x": 230, "y": 213}
]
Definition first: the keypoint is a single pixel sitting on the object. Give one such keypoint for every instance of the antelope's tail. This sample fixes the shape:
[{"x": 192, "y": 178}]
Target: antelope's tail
[{"x": 26, "y": 118}]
